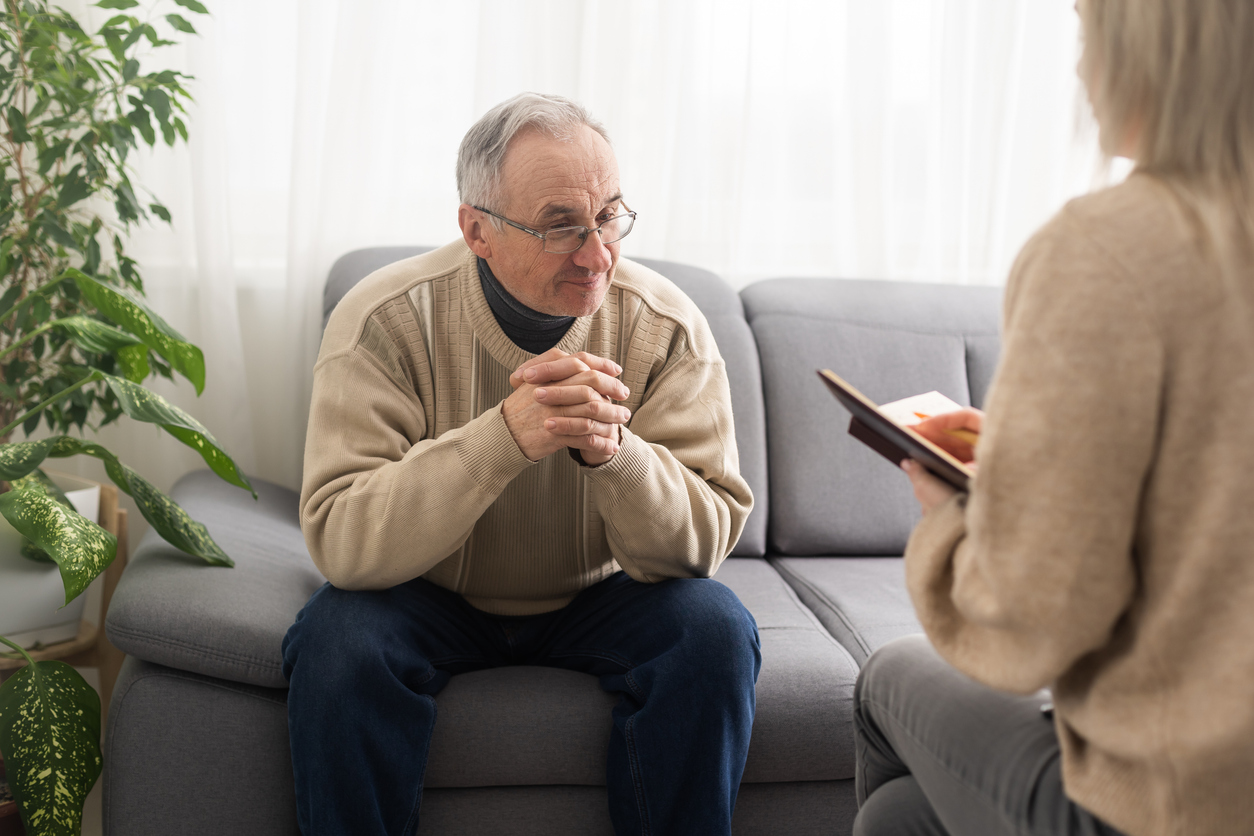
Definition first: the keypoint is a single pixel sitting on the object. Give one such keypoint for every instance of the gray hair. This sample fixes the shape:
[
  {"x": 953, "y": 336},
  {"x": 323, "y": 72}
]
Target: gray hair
[{"x": 483, "y": 148}]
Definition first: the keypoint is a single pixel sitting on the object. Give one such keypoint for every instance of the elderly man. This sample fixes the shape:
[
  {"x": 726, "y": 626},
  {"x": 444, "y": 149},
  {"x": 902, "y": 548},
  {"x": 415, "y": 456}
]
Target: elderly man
[{"x": 520, "y": 452}]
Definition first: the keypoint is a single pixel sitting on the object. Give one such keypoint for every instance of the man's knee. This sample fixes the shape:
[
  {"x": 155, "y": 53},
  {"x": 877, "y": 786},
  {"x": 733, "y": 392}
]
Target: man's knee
[
  {"x": 335, "y": 634},
  {"x": 714, "y": 628}
]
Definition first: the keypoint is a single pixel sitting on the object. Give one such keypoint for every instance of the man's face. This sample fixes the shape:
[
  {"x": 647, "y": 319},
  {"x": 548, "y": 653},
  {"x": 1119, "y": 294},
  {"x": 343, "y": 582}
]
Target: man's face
[{"x": 546, "y": 184}]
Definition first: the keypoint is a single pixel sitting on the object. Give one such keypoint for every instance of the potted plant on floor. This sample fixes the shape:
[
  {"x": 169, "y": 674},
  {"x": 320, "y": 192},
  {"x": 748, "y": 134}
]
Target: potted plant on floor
[{"x": 77, "y": 341}]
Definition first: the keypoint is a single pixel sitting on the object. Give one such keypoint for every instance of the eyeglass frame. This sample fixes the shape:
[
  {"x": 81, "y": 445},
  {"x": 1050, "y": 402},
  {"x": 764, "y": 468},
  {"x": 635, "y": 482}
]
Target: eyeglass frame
[{"x": 583, "y": 239}]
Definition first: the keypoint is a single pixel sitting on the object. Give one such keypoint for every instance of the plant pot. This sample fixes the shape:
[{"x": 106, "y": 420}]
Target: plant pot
[{"x": 33, "y": 611}]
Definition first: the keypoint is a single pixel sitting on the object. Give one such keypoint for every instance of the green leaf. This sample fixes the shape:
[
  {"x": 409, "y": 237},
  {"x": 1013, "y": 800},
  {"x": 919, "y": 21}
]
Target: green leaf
[
  {"x": 21, "y": 458},
  {"x": 74, "y": 189},
  {"x": 130, "y": 69},
  {"x": 81, "y": 548},
  {"x": 50, "y": 736},
  {"x": 117, "y": 4},
  {"x": 58, "y": 233},
  {"x": 28, "y": 549},
  {"x": 17, "y": 125},
  {"x": 134, "y": 362},
  {"x": 180, "y": 23},
  {"x": 160, "y": 211},
  {"x": 142, "y": 405},
  {"x": 9, "y": 299},
  {"x": 54, "y": 152},
  {"x": 159, "y": 103},
  {"x": 137, "y": 318},
  {"x": 96, "y": 337},
  {"x": 165, "y": 515},
  {"x": 132, "y": 37},
  {"x": 193, "y": 5}
]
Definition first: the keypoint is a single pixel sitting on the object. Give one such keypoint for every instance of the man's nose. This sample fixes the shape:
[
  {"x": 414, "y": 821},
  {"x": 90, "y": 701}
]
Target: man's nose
[{"x": 594, "y": 256}]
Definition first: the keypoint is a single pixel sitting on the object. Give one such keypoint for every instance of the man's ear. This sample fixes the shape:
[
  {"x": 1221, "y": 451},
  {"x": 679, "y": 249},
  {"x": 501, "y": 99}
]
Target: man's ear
[{"x": 474, "y": 230}]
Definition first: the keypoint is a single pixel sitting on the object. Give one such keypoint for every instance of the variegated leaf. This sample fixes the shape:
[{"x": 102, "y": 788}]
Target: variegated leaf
[
  {"x": 134, "y": 362},
  {"x": 19, "y": 459},
  {"x": 95, "y": 336},
  {"x": 163, "y": 513},
  {"x": 81, "y": 549},
  {"x": 136, "y": 317},
  {"x": 29, "y": 550},
  {"x": 50, "y": 736},
  {"x": 142, "y": 405}
]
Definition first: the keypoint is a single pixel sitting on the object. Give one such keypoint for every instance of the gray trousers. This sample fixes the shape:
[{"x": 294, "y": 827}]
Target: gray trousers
[{"x": 942, "y": 755}]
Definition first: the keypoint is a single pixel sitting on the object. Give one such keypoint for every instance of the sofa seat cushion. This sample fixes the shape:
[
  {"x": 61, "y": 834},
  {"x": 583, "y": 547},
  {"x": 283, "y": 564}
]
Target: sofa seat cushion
[
  {"x": 510, "y": 726},
  {"x": 174, "y": 610},
  {"x": 529, "y": 725},
  {"x": 862, "y": 601}
]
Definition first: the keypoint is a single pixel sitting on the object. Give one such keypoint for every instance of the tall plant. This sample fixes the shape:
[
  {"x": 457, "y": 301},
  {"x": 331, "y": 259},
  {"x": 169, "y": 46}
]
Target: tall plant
[{"x": 77, "y": 340}]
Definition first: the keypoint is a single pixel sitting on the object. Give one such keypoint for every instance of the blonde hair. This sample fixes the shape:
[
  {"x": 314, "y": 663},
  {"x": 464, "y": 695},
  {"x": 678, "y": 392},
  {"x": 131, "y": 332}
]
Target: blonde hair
[{"x": 1178, "y": 77}]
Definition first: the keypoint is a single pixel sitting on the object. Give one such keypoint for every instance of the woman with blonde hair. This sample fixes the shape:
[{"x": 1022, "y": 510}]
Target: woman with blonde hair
[{"x": 1106, "y": 547}]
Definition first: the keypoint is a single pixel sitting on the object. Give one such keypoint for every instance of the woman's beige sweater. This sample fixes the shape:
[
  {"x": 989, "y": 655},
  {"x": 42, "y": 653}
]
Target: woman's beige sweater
[
  {"x": 410, "y": 469},
  {"x": 1106, "y": 548}
]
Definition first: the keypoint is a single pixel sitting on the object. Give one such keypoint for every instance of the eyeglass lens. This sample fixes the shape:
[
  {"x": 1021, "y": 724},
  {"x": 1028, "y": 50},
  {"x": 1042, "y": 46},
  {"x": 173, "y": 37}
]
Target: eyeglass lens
[{"x": 570, "y": 239}]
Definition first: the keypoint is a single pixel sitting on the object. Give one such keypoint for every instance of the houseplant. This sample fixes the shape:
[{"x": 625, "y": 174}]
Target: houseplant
[{"x": 77, "y": 340}]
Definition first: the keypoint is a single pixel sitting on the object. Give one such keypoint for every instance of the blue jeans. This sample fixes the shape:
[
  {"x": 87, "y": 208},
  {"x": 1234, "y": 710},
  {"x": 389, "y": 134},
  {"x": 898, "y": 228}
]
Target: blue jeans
[
  {"x": 365, "y": 668},
  {"x": 941, "y": 755}
]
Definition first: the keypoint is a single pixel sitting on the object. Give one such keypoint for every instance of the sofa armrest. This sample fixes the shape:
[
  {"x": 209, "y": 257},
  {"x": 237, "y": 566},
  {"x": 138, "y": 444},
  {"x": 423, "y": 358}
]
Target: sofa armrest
[{"x": 229, "y": 623}]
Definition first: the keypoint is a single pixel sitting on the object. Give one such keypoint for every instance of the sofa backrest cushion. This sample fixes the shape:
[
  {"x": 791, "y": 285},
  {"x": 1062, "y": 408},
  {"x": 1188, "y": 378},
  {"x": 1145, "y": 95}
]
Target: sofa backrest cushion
[
  {"x": 725, "y": 313},
  {"x": 830, "y": 494}
]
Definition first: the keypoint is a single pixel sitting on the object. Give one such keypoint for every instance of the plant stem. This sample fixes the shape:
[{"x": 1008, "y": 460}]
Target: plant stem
[
  {"x": 64, "y": 393},
  {"x": 15, "y": 346},
  {"x": 30, "y": 296},
  {"x": 19, "y": 649}
]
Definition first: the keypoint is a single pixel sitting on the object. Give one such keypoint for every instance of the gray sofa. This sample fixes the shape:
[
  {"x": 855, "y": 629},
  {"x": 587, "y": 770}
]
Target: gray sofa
[{"x": 197, "y": 736}]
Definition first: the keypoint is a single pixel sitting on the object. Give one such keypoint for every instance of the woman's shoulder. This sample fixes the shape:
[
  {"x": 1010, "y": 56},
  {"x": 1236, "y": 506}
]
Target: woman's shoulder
[{"x": 1135, "y": 223}]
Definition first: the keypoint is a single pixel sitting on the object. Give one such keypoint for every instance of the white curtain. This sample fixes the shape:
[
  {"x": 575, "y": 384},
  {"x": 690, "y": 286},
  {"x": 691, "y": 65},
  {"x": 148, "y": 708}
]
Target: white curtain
[{"x": 893, "y": 139}]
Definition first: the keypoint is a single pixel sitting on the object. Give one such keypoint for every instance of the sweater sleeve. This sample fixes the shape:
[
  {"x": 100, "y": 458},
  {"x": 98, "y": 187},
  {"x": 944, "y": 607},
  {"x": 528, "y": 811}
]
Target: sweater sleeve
[
  {"x": 366, "y": 457},
  {"x": 672, "y": 498},
  {"x": 1032, "y": 571}
]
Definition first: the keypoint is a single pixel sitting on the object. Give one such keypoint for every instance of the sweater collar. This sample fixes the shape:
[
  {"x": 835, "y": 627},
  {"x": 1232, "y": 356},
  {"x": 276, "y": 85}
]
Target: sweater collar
[{"x": 529, "y": 329}]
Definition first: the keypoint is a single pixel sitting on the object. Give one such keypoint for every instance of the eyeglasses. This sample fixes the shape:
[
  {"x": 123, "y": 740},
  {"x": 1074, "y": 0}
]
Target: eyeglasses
[{"x": 568, "y": 239}]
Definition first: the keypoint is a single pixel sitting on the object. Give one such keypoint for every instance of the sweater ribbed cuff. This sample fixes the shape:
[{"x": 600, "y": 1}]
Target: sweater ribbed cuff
[
  {"x": 627, "y": 470},
  {"x": 489, "y": 453}
]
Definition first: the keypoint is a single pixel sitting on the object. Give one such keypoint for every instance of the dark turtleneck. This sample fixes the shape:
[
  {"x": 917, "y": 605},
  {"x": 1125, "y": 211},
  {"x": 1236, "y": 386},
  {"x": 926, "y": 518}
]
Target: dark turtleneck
[{"x": 530, "y": 330}]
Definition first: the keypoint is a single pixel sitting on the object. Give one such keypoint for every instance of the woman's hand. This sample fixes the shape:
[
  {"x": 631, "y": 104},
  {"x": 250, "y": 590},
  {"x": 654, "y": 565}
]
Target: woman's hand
[
  {"x": 954, "y": 432},
  {"x": 929, "y": 490}
]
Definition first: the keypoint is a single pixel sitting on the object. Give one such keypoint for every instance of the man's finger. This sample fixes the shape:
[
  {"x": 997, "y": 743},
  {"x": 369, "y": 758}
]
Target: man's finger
[
  {"x": 599, "y": 410},
  {"x": 579, "y": 426},
  {"x": 551, "y": 371},
  {"x": 516, "y": 379},
  {"x": 586, "y": 386}
]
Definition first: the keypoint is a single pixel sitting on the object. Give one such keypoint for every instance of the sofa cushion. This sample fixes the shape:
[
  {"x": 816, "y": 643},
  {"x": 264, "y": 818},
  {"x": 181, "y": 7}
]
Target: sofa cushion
[
  {"x": 171, "y": 609},
  {"x": 862, "y": 601},
  {"x": 513, "y": 726},
  {"x": 526, "y": 725},
  {"x": 830, "y": 494}
]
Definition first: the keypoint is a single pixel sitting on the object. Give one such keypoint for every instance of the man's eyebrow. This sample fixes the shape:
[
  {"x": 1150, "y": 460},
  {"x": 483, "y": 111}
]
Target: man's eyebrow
[{"x": 556, "y": 210}]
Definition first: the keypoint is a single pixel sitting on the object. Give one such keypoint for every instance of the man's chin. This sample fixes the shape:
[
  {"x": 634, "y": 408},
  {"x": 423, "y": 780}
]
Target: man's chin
[{"x": 583, "y": 299}]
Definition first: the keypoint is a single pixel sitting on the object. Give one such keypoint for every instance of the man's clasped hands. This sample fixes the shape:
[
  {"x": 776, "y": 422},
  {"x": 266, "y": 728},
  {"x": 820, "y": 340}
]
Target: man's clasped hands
[{"x": 567, "y": 400}]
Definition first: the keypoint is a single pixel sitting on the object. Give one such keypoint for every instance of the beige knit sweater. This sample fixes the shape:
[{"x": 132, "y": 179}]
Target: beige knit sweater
[
  {"x": 410, "y": 469},
  {"x": 1107, "y": 545}
]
